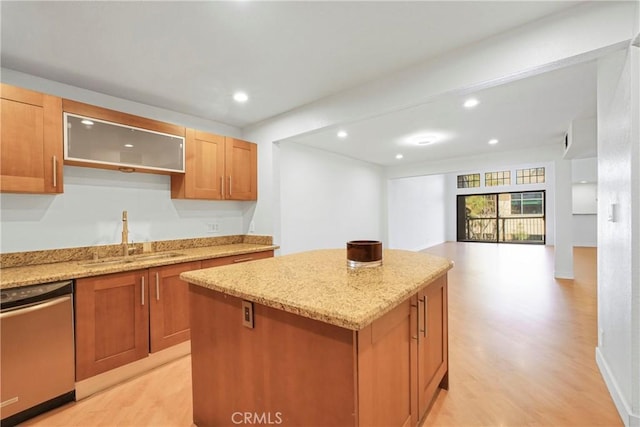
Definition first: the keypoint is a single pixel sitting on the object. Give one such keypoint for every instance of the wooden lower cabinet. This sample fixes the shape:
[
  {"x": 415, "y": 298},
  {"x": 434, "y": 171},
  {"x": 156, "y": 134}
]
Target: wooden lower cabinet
[
  {"x": 169, "y": 306},
  {"x": 300, "y": 371},
  {"x": 432, "y": 339},
  {"x": 112, "y": 321},
  {"x": 385, "y": 370},
  {"x": 122, "y": 317}
]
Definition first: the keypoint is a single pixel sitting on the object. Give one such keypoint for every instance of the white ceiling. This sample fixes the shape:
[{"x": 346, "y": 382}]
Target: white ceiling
[
  {"x": 191, "y": 56},
  {"x": 535, "y": 111}
]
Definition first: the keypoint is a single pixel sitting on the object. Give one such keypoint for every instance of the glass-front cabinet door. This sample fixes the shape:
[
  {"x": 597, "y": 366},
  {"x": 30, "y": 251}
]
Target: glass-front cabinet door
[{"x": 90, "y": 140}]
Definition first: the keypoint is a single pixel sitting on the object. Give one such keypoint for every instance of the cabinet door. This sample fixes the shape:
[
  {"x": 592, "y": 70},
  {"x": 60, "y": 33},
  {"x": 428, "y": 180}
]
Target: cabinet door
[
  {"x": 235, "y": 259},
  {"x": 204, "y": 168},
  {"x": 432, "y": 342},
  {"x": 31, "y": 142},
  {"x": 169, "y": 305},
  {"x": 241, "y": 164},
  {"x": 386, "y": 352},
  {"x": 112, "y": 321}
]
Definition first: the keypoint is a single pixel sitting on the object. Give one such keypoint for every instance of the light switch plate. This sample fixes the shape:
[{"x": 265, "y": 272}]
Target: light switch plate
[{"x": 247, "y": 314}]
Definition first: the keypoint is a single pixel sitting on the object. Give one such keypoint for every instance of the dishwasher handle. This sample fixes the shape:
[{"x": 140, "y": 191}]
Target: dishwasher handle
[{"x": 18, "y": 311}]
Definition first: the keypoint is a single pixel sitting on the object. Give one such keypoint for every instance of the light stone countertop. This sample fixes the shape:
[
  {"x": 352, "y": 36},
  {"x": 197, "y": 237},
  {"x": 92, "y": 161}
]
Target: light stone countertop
[
  {"x": 35, "y": 274},
  {"x": 319, "y": 285}
]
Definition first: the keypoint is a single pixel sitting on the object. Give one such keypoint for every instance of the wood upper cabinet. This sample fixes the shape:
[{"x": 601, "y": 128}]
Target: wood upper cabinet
[
  {"x": 433, "y": 355},
  {"x": 31, "y": 142},
  {"x": 217, "y": 168},
  {"x": 204, "y": 168},
  {"x": 169, "y": 305},
  {"x": 101, "y": 138},
  {"x": 112, "y": 321},
  {"x": 241, "y": 164}
]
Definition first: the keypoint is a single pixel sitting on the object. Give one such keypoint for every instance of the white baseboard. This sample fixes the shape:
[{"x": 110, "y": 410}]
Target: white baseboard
[
  {"x": 624, "y": 410},
  {"x": 86, "y": 388}
]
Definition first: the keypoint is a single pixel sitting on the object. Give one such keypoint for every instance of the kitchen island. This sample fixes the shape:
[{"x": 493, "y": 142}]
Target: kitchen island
[{"x": 304, "y": 340}]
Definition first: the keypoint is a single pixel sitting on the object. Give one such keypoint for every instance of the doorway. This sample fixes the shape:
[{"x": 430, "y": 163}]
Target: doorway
[{"x": 517, "y": 217}]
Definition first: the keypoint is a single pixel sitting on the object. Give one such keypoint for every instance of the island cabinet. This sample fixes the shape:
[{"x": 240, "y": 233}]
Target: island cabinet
[
  {"x": 122, "y": 317},
  {"x": 405, "y": 350},
  {"x": 433, "y": 349},
  {"x": 217, "y": 168},
  {"x": 314, "y": 343},
  {"x": 31, "y": 142}
]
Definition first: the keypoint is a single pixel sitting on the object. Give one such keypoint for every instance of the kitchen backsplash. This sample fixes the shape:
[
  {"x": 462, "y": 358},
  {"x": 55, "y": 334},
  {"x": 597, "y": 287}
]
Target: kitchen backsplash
[{"x": 16, "y": 259}]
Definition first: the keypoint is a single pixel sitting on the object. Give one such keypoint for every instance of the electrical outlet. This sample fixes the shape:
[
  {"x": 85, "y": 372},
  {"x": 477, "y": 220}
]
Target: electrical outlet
[
  {"x": 252, "y": 227},
  {"x": 600, "y": 337},
  {"x": 213, "y": 227},
  {"x": 247, "y": 314}
]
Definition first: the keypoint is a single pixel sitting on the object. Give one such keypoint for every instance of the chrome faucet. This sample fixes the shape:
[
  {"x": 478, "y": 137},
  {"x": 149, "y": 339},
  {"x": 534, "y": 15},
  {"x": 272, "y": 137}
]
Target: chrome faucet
[{"x": 125, "y": 234}]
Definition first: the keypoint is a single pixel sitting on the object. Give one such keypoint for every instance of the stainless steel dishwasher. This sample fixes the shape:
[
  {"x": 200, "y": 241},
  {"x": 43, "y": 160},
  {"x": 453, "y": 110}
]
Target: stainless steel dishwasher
[{"x": 37, "y": 350}]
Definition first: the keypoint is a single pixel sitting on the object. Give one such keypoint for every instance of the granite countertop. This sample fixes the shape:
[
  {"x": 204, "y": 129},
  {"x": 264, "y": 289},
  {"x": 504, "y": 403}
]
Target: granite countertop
[
  {"x": 42, "y": 273},
  {"x": 320, "y": 286}
]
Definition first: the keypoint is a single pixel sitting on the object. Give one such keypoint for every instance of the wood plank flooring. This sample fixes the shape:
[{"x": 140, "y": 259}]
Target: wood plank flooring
[
  {"x": 521, "y": 352},
  {"x": 522, "y": 344}
]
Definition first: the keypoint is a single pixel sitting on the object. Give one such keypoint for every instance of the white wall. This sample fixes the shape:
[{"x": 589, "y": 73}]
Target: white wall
[
  {"x": 417, "y": 212},
  {"x": 618, "y": 351},
  {"x": 585, "y": 231},
  {"x": 326, "y": 199},
  {"x": 89, "y": 212},
  {"x": 584, "y": 175}
]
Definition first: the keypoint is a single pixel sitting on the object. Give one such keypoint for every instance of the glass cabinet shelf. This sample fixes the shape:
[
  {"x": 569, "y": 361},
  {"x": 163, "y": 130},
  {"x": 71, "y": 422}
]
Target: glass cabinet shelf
[{"x": 102, "y": 143}]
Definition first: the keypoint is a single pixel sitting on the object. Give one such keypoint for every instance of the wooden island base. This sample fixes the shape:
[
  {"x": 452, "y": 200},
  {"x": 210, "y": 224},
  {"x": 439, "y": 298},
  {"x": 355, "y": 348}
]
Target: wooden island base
[{"x": 294, "y": 371}]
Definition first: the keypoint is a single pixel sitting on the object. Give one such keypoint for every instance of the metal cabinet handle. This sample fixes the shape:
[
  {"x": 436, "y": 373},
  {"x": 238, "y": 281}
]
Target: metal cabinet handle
[
  {"x": 416, "y": 337},
  {"x": 19, "y": 311},
  {"x": 142, "y": 289},
  {"x": 157, "y": 286},
  {"x": 424, "y": 302},
  {"x": 229, "y": 185},
  {"x": 221, "y": 187},
  {"x": 243, "y": 259},
  {"x": 55, "y": 171}
]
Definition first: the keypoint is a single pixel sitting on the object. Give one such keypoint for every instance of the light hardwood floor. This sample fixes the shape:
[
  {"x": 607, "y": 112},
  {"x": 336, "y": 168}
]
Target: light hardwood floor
[{"x": 521, "y": 352}]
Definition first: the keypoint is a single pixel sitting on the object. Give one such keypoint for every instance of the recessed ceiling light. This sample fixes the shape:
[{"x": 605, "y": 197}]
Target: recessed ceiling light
[
  {"x": 399, "y": 156},
  {"x": 342, "y": 134},
  {"x": 470, "y": 103},
  {"x": 128, "y": 145},
  {"x": 240, "y": 97},
  {"x": 583, "y": 182},
  {"x": 493, "y": 141},
  {"x": 425, "y": 141},
  {"x": 86, "y": 122},
  {"x": 427, "y": 137}
]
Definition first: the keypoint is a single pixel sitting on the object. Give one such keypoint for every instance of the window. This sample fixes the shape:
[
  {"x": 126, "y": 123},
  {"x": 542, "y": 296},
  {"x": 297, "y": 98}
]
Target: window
[
  {"x": 530, "y": 176},
  {"x": 530, "y": 203},
  {"x": 469, "y": 181},
  {"x": 502, "y": 217},
  {"x": 497, "y": 178}
]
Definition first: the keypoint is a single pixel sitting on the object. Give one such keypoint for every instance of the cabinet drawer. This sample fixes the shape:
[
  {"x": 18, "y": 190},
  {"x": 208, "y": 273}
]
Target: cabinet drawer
[{"x": 234, "y": 259}]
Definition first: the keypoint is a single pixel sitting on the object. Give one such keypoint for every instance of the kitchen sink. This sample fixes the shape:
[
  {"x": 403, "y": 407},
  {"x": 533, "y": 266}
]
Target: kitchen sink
[
  {"x": 156, "y": 256},
  {"x": 129, "y": 259}
]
